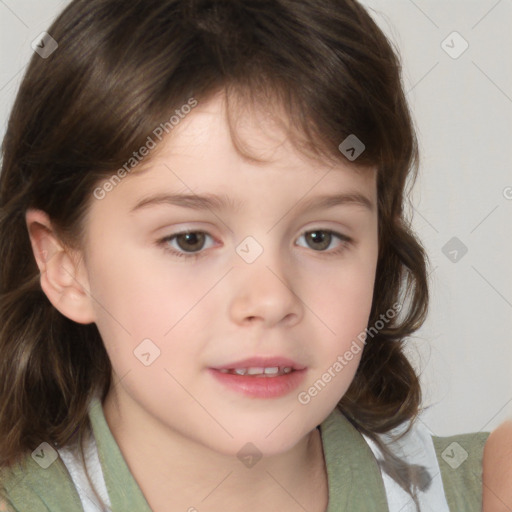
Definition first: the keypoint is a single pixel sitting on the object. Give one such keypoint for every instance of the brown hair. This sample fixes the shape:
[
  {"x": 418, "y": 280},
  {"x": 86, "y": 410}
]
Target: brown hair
[{"x": 120, "y": 70}]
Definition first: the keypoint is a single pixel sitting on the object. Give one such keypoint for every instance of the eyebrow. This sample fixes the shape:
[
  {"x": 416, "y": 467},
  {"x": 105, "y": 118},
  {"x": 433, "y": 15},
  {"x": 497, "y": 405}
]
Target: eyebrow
[{"x": 223, "y": 202}]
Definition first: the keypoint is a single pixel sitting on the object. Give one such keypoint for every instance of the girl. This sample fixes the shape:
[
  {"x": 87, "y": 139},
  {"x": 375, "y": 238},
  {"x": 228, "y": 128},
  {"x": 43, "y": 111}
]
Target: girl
[{"x": 207, "y": 275}]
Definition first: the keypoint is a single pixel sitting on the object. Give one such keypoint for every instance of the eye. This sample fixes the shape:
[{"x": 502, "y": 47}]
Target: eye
[
  {"x": 190, "y": 244},
  {"x": 187, "y": 243},
  {"x": 322, "y": 239}
]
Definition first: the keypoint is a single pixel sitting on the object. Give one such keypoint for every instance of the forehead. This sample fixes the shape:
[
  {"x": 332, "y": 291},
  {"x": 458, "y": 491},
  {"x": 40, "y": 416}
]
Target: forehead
[
  {"x": 199, "y": 158},
  {"x": 209, "y": 139}
]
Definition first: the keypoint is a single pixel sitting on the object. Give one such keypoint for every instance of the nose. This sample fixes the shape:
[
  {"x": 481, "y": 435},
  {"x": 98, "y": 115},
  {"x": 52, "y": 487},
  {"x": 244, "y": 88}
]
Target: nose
[{"x": 264, "y": 294}]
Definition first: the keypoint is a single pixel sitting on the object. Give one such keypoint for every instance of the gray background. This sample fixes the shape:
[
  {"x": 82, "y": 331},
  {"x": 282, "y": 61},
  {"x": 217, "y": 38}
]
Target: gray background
[{"x": 462, "y": 105}]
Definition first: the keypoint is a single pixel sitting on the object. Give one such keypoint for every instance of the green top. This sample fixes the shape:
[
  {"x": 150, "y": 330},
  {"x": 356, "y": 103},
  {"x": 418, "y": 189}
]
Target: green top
[{"x": 354, "y": 478}]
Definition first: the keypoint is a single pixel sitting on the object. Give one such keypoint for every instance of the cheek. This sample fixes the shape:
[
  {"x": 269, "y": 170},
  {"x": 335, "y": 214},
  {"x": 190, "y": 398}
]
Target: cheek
[
  {"x": 343, "y": 298},
  {"x": 136, "y": 301},
  {"x": 343, "y": 304},
  {"x": 140, "y": 292},
  {"x": 343, "y": 310}
]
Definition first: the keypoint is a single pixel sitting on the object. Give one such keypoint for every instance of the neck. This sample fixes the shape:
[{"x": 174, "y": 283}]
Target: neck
[{"x": 172, "y": 469}]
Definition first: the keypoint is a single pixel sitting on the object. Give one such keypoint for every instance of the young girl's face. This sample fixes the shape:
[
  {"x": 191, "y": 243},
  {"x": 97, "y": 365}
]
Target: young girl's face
[{"x": 259, "y": 276}]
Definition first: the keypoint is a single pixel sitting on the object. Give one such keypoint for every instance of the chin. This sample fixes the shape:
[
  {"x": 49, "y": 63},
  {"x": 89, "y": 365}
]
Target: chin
[{"x": 267, "y": 439}]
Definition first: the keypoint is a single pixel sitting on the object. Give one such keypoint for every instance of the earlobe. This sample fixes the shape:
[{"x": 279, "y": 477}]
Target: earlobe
[{"x": 63, "y": 276}]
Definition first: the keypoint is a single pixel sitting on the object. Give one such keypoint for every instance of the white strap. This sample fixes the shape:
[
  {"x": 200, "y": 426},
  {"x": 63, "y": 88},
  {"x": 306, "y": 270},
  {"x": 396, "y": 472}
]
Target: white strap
[
  {"x": 72, "y": 461},
  {"x": 416, "y": 447}
]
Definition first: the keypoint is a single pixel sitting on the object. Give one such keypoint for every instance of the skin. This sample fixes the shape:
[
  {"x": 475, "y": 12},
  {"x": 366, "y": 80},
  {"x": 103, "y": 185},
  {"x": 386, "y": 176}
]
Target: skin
[
  {"x": 177, "y": 427},
  {"x": 497, "y": 470}
]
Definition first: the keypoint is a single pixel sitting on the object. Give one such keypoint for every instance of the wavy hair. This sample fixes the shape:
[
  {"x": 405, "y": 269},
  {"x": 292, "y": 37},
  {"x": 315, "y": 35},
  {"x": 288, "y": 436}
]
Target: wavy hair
[{"x": 120, "y": 70}]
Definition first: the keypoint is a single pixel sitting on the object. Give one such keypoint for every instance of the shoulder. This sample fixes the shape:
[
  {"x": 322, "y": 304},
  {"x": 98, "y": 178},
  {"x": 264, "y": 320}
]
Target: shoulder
[
  {"x": 497, "y": 469},
  {"x": 460, "y": 461},
  {"x": 38, "y": 486},
  {"x": 448, "y": 470}
]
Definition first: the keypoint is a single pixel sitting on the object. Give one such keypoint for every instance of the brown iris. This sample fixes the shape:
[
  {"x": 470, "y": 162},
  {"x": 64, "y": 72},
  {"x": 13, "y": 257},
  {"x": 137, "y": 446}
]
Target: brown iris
[
  {"x": 192, "y": 241},
  {"x": 321, "y": 239}
]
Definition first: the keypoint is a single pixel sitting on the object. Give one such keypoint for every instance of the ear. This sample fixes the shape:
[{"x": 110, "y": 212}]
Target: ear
[{"x": 63, "y": 275}]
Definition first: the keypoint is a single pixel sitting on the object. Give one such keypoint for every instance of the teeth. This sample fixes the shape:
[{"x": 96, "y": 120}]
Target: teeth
[
  {"x": 256, "y": 371},
  {"x": 271, "y": 371}
]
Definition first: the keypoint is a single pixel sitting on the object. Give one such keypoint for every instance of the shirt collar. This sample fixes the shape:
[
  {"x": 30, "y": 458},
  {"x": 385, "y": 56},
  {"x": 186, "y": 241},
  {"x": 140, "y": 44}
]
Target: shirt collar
[{"x": 354, "y": 478}]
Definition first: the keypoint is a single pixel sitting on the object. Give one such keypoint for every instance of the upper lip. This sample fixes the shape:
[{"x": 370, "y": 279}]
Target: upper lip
[{"x": 262, "y": 362}]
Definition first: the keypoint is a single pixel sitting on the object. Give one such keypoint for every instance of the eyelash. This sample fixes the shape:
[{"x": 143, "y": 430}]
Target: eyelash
[{"x": 164, "y": 243}]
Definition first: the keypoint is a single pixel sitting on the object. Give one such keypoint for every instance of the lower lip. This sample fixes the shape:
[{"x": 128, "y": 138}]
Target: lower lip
[{"x": 261, "y": 387}]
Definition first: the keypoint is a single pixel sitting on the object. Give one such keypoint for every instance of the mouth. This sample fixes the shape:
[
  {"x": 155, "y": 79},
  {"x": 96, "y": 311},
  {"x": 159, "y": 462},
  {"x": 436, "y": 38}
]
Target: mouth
[
  {"x": 261, "y": 377},
  {"x": 272, "y": 371},
  {"x": 269, "y": 366}
]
